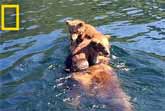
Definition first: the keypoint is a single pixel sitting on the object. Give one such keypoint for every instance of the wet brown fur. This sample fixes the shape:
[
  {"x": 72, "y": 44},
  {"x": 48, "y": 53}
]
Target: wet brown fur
[{"x": 102, "y": 82}]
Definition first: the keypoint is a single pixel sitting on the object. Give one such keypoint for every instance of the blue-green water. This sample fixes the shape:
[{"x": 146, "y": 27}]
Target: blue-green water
[{"x": 32, "y": 60}]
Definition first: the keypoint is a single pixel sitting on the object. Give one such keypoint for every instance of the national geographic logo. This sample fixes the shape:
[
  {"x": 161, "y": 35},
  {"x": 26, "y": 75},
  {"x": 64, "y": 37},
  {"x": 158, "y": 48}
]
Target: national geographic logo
[{"x": 4, "y": 7}]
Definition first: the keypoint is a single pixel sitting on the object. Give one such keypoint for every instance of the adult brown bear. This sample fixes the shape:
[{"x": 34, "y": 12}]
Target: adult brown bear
[
  {"x": 101, "y": 82},
  {"x": 88, "y": 46}
]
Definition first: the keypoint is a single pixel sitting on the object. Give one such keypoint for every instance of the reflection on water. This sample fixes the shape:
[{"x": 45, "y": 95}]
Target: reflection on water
[{"x": 31, "y": 60}]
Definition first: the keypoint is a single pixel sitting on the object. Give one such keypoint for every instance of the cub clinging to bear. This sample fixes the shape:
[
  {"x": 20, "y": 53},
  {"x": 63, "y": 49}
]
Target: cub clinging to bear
[
  {"x": 88, "y": 46},
  {"x": 80, "y": 30}
]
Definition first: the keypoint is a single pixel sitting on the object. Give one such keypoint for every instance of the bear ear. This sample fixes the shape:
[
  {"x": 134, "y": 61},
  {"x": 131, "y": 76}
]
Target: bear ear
[
  {"x": 67, "y": 22},
  {"x": 80, "y": 24}
]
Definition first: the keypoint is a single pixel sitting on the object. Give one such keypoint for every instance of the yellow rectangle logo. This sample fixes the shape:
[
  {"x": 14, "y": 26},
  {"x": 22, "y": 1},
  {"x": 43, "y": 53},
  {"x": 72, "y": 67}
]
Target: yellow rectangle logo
[{"x": 17, "y": 8}]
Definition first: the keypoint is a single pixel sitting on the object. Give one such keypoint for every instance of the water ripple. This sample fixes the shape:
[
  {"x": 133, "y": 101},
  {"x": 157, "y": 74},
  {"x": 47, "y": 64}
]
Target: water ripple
[
  {"x": 154, "y": 30},
  {"x": 41, "y": 43}
]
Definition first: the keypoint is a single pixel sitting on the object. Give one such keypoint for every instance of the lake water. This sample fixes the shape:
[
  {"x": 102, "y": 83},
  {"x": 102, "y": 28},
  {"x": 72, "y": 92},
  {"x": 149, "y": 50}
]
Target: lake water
[{"x": 32, "y": 60}]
